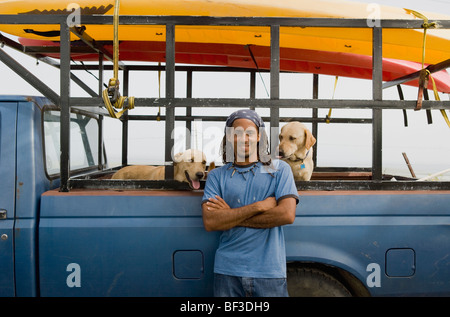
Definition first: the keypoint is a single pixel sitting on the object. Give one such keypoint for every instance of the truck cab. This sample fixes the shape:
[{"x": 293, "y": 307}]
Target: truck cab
[{"x": 29, "y": 167}]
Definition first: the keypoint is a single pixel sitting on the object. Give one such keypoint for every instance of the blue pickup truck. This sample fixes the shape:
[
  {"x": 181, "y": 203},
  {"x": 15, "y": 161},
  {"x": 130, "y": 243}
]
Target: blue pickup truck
[{"x": 147, "y": 242}]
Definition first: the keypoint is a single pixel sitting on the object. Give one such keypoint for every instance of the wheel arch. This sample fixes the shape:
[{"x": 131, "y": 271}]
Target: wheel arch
[{"x": 355, "y": 286}]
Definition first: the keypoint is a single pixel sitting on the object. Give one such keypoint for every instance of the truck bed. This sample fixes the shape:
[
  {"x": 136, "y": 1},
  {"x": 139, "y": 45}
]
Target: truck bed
[{"x": 152, "y": 242}]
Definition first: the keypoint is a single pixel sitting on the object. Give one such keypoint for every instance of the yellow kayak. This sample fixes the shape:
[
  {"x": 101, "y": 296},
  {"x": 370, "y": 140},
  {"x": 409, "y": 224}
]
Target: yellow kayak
[{"x": 397, "y": 44}]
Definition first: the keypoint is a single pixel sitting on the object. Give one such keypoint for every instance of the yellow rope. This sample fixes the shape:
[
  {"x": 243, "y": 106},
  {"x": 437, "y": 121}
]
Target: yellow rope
[
  {"x": 436, "y": 96},
  {"x": 426, "y": 25},
  {"x": 116, "y": 39},
  {"x": 113, "y": 85},
  {"x": 334, "y": 91}
]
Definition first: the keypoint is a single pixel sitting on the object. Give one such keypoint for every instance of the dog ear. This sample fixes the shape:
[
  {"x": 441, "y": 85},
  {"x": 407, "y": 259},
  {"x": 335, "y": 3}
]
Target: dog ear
[
  {"x": 310, "y": 139},
  {"x": 211, "y": 166},
  {"x": 177, "y": 157}
]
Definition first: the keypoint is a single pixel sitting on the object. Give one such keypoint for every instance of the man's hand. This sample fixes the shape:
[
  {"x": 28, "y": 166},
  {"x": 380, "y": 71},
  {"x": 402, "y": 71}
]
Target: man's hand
[
  {"x": 217, "y": 203},
  {"x": 267, "y": 204}
]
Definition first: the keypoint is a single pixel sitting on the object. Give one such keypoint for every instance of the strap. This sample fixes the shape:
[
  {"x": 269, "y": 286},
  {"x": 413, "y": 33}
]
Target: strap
[
  {"x": 111, "y": 96},
  {"x": 425, "y": 74},
  {"x": 248, "y": 46},
  {"x": 426, "y": 25},
  {"x": 436, "y": 97},
  {"x": 43, "y": 33},
  {"x": 125, "y": 103},
  {"x": 405, "y": 115},
  {"x": 327, "y": 120}
]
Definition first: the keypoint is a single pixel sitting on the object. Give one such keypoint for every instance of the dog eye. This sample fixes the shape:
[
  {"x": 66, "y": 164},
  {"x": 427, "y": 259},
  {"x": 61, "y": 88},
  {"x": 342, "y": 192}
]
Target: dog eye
[
  {"x": 292, "y": 138},
  {"x": 281, "y": 137},
  {"x": 203, "y": 162}
]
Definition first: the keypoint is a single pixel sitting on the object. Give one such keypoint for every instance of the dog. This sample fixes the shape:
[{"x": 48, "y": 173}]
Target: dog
[
  {"x": 189, "y": 166},
  {"x": 296, "y": 149}
]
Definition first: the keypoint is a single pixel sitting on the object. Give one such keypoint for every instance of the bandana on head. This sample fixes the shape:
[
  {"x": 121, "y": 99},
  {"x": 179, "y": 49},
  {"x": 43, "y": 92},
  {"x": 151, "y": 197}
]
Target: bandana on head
[{"x": 245, "y": 114}]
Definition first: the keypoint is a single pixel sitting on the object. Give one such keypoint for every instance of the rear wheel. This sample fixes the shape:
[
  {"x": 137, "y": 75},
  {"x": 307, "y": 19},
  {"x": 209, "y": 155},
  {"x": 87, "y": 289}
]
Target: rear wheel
[{"x": 311, "y": 282}]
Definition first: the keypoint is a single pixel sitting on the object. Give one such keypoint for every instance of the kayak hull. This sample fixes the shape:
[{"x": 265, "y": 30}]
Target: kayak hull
[
  {"x": 232, "y": 55},
  {"x": 405, "y": 44}
]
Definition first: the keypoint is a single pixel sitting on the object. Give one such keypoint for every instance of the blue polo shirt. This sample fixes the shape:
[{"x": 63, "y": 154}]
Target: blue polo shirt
[{"x": 249, "y": 252}]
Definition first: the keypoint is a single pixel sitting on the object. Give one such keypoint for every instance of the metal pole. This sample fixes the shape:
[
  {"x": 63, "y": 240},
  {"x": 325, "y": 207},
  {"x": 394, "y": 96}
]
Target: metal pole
[
  {"x": 274, "y": 86},
  {"x": 315, "y": 115},
  {"x": 252, "y": 86},
  {"x": 64, "y": 103},
  {"x": 377, "y": 93},
  {"x": 188, "y": 109},
  {"x": 432, "y": 68},
  {"x": 100, "y": 74},
  {"x": 170, "y": 93},
  {"x": 101, "y": 153},
  {"x": 28, "y": 77},
  {"x": 126, "y": 80}
]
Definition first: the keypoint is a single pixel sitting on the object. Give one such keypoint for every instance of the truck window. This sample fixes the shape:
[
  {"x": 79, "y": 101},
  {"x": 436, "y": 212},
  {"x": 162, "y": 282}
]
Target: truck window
[{"x": 84, "y": 132}]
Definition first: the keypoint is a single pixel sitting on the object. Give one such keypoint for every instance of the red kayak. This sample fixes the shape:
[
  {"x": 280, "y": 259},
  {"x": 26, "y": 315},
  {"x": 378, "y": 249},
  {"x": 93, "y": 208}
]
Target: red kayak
[{"x": 233, "y": 55}]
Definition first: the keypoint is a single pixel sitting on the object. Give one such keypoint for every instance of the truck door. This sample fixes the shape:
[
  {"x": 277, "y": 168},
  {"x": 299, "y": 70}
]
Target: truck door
[{"x": 8, "y": 116}]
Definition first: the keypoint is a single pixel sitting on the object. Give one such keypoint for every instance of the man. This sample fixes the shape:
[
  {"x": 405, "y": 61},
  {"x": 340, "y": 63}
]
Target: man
[{"x": 249, "y": 198}]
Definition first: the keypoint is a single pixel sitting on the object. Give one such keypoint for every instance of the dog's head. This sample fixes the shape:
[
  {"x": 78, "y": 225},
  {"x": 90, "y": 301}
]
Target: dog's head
[
  {"x": 294, "y": 137},
  {"x": 190, "y": 167}
]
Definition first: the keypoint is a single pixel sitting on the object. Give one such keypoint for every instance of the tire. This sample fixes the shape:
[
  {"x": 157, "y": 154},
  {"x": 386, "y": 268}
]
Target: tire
[{"x": 310, "y": 282}]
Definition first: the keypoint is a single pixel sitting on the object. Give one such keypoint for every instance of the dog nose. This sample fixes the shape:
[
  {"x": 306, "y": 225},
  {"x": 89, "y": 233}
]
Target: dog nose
[
  {"x": 281, "y": 153},
  {"x": 199, "y": 175}
]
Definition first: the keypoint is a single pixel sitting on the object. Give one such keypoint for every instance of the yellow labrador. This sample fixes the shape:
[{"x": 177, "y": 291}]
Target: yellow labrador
[
  {"x": 189, "y": 166},
  {"x": 296, "y": 148}
]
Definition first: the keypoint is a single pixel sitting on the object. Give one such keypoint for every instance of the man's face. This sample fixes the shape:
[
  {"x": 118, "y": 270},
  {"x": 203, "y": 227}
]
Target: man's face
[{"x": 245, "y": 142}]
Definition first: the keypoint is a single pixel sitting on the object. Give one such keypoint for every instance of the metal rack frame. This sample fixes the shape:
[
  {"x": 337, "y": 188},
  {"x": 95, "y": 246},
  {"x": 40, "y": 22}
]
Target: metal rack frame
[{"x": 169, "y": 102}]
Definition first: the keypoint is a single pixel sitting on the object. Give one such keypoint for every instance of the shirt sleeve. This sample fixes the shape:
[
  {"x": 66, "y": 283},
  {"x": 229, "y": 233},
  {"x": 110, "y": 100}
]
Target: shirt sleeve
[
  {"x": 285, "y": 183},
  {"x": 212, "y": 187}
]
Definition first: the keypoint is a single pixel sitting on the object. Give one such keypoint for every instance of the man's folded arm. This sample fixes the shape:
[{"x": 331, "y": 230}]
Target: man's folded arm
[
  {"x": 280, "y": 215},
  {"x": 217, "y": 215}
]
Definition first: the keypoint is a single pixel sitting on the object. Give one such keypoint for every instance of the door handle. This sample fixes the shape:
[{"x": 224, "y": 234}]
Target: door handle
[{"x": 2, "y": 214}]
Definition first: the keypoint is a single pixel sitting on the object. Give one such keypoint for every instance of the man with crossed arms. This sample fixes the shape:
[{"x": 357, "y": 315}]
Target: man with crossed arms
[{"x": 249, "y": 198}]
